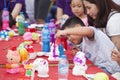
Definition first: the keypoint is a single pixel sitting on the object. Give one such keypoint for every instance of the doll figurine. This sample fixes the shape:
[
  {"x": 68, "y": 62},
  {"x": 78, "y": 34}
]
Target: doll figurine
[
  {"x": 80, "y": 66},
  {"x": 13, "y": 59},
  {"x": 41, "y": 65}
]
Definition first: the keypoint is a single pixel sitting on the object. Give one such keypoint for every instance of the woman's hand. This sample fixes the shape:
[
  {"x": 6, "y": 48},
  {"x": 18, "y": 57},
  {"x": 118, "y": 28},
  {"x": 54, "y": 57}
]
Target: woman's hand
[
  {"x": 60, "y": 20},
  {"x": 115, "y": 56}
]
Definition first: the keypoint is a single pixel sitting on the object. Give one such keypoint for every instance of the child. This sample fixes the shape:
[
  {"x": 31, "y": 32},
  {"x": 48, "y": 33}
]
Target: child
[
  {"x": 14, "y": 7},
  {"x": 95, "y": 43},
  {"x": 78, "y": 10}
]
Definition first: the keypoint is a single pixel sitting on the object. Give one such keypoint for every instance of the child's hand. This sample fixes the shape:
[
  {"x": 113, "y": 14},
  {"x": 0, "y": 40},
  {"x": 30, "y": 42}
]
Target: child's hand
[
  {"x": 60, "y": 33},
  {"x": 75, "y": 49},
  {"x": 115, "y": 56}
]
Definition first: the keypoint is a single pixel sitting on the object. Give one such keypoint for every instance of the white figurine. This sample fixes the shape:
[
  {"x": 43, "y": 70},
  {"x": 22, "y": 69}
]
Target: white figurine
[
  {"x": 80, "y": 66},
  {"x": 54, "y": 53},
  {"x": 41, "y": 65}
]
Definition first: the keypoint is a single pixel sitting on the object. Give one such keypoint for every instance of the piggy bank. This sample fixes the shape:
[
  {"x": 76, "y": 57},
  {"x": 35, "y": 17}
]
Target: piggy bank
[
  {"x": 80, "y": 66},
  {"x": 41, "y": 65}
]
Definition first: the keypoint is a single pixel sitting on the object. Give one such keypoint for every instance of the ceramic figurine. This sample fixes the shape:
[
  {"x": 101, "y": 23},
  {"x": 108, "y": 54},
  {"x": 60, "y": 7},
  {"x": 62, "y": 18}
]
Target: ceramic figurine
[
  {"x": 54, "y": 53},
  {"x": 41, "y": 65},
  {"x": 32, "y": 54},
  {"x": 31, "y": 36},
  {"x": 13, "y": 59},
  {"x": 80, "y": 66}
]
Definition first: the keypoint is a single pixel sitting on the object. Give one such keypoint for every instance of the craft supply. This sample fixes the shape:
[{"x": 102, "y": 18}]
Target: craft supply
[{"x": 45, "y": 39}]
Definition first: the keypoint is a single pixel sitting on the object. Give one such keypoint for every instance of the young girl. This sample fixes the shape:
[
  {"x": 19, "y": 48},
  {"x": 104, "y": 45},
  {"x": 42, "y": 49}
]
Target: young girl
[
  {"x": 95, "y": 43},
  {"x": 78, "y": 10}
]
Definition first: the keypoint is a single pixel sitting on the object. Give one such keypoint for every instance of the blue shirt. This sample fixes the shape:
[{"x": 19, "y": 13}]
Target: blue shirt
[{"x": 10, "y": 4}]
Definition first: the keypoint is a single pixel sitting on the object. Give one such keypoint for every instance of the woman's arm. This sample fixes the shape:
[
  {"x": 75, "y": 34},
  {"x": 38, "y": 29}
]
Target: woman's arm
[
  {"x": 116, "y": 41},
  {"x": 59, "y": 13},
  {"x": 16, "y": 10}
]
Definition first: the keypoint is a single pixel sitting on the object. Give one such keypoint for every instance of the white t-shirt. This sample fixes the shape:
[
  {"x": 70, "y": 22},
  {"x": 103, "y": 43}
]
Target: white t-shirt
[
  {"x": 117, "y": 1},
  {"x": 113, "y": 25},
  {"x": 99, "y": 51}
]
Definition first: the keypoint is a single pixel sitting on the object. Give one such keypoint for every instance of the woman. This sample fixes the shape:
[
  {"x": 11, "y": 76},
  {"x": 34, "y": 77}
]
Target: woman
[
  {"x": 41, "y": 8},
  {"x": 63, "y": 10},
  {"x": 14, "y": 7},
  {"x": 105, "y": 14}
]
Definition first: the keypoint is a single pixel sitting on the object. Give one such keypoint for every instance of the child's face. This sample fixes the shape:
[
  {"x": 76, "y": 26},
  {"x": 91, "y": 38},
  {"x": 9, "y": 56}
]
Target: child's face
[
  {"x": 75, "y": 39},
  {"x": 92, "y": 9},
  {"x": 77, "y": 8}
]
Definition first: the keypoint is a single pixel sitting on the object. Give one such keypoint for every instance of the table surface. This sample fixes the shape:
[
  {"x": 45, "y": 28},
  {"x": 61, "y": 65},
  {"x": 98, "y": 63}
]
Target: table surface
[{"x": 53, "y": 72}]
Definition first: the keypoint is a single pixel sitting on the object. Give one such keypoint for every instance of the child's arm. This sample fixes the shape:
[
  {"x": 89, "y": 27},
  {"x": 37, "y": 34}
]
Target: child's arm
[{"x": 80, "y": 31}]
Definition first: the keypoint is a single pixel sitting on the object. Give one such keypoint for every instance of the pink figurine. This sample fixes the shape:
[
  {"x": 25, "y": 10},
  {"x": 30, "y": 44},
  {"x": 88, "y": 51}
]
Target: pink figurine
[{"x": 13, "y": 59}]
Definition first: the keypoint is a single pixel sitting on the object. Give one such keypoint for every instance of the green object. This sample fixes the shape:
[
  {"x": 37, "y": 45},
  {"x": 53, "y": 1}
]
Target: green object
[
  {"x": 101, "y": 76},
  {"x": 21, "y": 29},
  {"x": 21, "y": 22},
  {"x": 28, "y": 72}
]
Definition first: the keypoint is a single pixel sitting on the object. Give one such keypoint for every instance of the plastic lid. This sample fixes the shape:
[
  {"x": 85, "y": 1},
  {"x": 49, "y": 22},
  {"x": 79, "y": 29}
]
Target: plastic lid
[
  {"x": 5, "y": 8},
  {"x": 21, "y": 12},
  {"x": 63, "y": 56}
]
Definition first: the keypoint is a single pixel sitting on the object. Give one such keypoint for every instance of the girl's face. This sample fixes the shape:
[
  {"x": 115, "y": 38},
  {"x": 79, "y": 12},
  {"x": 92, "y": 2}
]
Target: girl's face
[
  {"x": 92, "y": 9},
  {"x": 77, "y": 8}
]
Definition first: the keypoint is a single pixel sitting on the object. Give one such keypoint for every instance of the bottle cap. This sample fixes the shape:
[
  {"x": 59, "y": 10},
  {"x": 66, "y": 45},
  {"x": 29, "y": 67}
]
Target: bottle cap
[
  {"x": 63, "y": 56},
  {"x": 5, "y": 8}
]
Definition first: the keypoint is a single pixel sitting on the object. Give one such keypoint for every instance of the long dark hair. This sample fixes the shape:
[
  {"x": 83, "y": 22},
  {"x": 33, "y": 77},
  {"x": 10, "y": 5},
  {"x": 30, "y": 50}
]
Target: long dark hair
[{"x": 104, "y": 7}]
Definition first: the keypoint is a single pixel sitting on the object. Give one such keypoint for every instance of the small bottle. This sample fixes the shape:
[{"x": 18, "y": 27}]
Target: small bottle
[
  {"x": 45, "y": 39},
  {"x": 61, "y": 50},
  {"x": 52, "y": 27},
  {"x": 5, "y": 19},
  {"x": 21, "y": 21},
  {"x": 63, "y": 68}
]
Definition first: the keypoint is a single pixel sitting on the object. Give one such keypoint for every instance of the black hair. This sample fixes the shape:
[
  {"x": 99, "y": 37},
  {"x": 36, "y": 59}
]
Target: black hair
[
  {"x": 71, "y": 22},
  {"x": 104, "y": 7}
]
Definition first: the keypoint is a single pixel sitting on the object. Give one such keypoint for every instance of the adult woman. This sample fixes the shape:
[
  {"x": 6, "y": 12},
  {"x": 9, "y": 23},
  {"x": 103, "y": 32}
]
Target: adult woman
[
  {"x": 14, "y": 7},
  {"x": 105, "y": 14},
  {"x": 41, "y": 10},
  {"x": 63, "y": 10}
]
